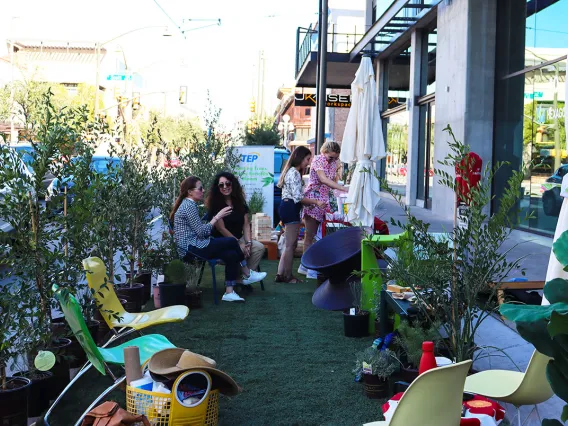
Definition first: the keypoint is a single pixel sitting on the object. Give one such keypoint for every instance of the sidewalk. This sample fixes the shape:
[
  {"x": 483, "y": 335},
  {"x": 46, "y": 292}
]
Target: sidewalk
[{"x": 494, "y": 332}]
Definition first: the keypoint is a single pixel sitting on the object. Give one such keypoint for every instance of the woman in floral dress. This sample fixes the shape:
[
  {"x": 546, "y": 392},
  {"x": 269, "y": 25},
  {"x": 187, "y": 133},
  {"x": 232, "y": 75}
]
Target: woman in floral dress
[{"x": 322, "y": 180}]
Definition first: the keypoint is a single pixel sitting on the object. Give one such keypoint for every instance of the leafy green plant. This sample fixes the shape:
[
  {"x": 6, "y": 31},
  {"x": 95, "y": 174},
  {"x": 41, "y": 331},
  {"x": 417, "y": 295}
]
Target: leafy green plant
[
  {"x": 447, "y": 274},
  {"x": 256, "y": 203},
  {"x": 411, "y": 336},
  {"x": 382, "y": 363},
  {"x": 261, "y": 132},
  {"x": 176, "y": 272},
  {"x": 546, "y": 327}
]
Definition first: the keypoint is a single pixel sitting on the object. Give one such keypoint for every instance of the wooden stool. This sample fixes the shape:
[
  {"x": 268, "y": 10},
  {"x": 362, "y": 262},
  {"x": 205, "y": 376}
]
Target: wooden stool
[{"x": 271, "y": 248}]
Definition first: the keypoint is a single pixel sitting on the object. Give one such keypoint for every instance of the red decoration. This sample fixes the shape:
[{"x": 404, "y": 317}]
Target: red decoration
[{"x": 470, "y": 166}]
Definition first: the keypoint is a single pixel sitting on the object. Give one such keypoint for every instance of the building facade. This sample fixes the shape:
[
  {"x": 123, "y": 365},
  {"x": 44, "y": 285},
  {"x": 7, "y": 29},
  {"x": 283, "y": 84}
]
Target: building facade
[{"x": 494, "y": 70}]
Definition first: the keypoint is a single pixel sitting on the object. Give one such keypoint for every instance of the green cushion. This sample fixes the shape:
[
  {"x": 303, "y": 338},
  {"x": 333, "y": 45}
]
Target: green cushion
[{"x": 148, "y": 345}]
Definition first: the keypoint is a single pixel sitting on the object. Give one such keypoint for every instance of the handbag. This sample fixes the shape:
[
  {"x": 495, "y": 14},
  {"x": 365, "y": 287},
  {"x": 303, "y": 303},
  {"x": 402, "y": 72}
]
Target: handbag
[{"x": 110, "y": 414}]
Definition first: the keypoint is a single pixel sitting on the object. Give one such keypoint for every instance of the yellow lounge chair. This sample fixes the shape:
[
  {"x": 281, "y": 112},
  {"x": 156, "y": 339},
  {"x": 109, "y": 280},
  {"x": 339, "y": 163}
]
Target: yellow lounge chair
[
  {"x": 514, "y": 387},
  {"x": 433, "y": 399},
  {"x": 119, "y": 321}
]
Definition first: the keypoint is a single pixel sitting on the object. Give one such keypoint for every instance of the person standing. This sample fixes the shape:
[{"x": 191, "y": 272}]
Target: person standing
[
  {"x": 292, "y": 200},
  {"x": 193, "y": 238},
  {"x": 322, "y": 180},
  {"x": 226, "y": 191}
]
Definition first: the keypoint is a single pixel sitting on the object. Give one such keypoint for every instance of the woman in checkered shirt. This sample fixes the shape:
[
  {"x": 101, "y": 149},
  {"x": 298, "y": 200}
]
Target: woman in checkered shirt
[{"x": 193, "y": 237}]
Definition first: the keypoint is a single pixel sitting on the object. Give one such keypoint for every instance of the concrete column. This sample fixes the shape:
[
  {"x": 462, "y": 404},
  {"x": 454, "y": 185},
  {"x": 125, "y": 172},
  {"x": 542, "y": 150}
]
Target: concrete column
[
  {"x": 412, "y": 167},
  {"x": 465, "y": 81},
  {"x": 382, "y": 77}
]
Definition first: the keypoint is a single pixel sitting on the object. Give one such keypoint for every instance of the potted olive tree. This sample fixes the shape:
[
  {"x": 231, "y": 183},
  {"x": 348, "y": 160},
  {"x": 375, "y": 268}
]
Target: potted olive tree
[{"x": 448, "y": 274}]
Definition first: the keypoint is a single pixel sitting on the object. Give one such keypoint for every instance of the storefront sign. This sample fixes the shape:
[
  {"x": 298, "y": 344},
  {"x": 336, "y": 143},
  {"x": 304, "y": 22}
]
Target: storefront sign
[
  {"x": 256, "y": 173},
  {"x": 332, "y": 100},
  {"x": 534, "y": 95}
]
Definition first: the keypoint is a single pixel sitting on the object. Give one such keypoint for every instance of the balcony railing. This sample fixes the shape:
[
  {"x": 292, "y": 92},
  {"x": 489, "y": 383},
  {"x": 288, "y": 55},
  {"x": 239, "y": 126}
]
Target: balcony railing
[{"x": 337, "y": 42}]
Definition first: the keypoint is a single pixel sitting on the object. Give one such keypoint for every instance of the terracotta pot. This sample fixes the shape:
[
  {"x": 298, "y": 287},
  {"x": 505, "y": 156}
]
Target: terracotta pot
[
  {"x": 14, "y": 402},
  {"x": 375, "y": 387},
  {"x": 156, "y": 292}
]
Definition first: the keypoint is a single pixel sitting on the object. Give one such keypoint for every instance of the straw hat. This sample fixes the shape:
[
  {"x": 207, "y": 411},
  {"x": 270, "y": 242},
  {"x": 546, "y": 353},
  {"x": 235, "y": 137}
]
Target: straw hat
[{"x": 170, "y": 363}]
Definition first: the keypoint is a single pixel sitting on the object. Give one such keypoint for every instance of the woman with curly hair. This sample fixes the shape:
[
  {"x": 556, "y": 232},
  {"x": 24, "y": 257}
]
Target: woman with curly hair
[{"x": 226, "y": 191}]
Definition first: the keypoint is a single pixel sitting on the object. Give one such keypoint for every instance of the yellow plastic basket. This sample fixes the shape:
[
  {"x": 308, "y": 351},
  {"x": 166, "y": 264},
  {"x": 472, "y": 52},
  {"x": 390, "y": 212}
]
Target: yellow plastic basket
[{"x": 167, "y": 410}]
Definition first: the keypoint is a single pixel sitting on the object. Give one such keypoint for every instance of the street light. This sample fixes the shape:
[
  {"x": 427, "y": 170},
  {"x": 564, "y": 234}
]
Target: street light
[
  {"x": 286, "y": 126},
  {"x": 98, "y": 46}
]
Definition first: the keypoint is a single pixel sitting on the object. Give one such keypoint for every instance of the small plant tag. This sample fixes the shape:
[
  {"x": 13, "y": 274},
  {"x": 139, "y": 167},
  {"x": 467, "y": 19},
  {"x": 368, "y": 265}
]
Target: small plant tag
[
  {"x": 367, "y": 369},
  {"x": 352, "y": 311}
]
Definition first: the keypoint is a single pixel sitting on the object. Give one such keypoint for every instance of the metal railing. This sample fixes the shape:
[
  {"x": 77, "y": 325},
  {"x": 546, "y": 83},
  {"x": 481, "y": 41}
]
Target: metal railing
[{"x": 338, "y": 42}]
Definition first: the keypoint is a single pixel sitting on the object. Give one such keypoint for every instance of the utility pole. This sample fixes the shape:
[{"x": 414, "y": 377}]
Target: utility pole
[
  {"x": 97, "y": 59},
  {"x": 557, "y": 150},
  {"x": 13, "y": 137},
  {"x": 322, "y": 75}
]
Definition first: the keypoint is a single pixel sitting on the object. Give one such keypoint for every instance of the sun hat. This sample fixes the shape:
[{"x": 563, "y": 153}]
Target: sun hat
[{"x": 168, "y": 364}]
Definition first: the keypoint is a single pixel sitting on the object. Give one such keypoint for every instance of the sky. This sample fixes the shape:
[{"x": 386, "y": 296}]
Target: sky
[{"x": 219, "y": 59}]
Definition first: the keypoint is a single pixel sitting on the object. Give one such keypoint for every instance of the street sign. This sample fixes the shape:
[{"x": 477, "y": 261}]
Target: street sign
[
  {"x": 119, "y": 77},
  {"x": 332, "y": 100}
]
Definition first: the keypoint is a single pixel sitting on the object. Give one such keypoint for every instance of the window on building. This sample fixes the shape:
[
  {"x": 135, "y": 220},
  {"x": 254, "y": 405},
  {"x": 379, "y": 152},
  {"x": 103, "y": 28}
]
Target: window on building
[
  {"x": 308, "y": 112},
  {"x": 530, "y": 111}
]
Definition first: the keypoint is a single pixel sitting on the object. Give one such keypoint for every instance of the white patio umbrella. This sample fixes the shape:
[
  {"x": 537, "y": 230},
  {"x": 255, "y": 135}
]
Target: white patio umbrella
[{"x": 363, "y": 144}]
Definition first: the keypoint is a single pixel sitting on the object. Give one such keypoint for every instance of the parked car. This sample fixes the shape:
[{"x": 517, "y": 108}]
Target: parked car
[
  {"x": 281, "y": 156},
  {"x": 551, "y": 199},
  {"x": 99, "y": 163},
  {"x": 25, "y": 150}
]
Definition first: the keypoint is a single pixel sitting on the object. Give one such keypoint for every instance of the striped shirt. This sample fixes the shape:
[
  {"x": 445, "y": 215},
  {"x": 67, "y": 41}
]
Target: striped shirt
[{"x": 189, "y": 230}]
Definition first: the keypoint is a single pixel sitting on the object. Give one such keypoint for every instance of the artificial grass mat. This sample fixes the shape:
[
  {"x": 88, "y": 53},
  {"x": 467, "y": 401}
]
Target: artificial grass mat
[{"x": 290, "y": 358}]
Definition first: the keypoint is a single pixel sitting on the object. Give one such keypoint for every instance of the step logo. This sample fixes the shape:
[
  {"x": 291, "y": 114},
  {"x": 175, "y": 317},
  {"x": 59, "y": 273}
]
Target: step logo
[{"x": 251, "y": 157}]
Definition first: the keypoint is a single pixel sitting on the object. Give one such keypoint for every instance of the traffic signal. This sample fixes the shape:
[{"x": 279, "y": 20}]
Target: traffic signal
[
  {"x": 182, "y": 95},
  {"x": 136, "y": 100},
  {"x": 253, "y": 106}
]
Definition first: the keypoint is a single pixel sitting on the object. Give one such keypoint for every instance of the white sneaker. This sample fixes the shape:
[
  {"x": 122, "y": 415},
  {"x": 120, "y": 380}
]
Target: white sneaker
[
  {"x": 302, "y": 270},
  {"x": 312, "y": 275},
  {"x": 254, "y": 277},
  {"x": 232, "y": 297}
]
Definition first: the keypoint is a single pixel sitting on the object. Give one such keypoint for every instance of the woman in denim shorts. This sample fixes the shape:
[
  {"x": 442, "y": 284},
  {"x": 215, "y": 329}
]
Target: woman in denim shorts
[{"x": 290, "y": 208}]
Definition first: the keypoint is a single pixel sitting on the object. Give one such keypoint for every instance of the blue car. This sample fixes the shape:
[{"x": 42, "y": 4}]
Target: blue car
[
  {"x": 99, "y": 163},
  {"x": 281, "y": 156}
]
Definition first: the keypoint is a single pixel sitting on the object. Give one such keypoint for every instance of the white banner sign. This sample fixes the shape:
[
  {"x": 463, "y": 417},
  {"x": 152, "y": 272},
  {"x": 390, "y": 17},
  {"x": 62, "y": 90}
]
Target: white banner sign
[{"x": 256, "y": 172}]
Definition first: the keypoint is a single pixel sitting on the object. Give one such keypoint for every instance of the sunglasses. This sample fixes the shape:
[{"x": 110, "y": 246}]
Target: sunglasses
[
  {"x": 198, "y": 188},
  {"x": 225, "y": 185}
]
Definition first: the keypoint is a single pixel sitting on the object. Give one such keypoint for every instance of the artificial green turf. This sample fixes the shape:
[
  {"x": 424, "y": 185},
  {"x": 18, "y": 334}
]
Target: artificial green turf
[{"x": 290, "y": 358}]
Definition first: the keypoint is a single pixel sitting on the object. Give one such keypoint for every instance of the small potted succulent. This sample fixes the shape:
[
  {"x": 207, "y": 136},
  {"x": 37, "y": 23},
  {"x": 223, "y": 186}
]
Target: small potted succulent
[
  {"x": 375, "y": 367},
  {"x": 192, "y": 290}
]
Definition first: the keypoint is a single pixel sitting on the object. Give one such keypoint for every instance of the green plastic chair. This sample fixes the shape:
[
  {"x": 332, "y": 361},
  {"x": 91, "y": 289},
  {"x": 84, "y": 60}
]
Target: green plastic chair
[
  {"x": 100, "y": 357},
  {"x": 433, "y": 399},
  {"x": 514, "y": 387}
]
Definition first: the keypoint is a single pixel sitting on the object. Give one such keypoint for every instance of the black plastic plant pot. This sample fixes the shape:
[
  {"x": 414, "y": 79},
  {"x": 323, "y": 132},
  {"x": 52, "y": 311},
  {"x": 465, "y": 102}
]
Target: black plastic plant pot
[
  {"x": 39, "y": 391},
  {"x": 375, "y": 387},
  {"x": 356, "y": 325},
  {"x": 171, "y": 294},
  {"x": 14, "y": 402},
  {"x": 60, "y": 347},
  {"x": 144, "y": 278},
  {"x": 134, "y": 293}
]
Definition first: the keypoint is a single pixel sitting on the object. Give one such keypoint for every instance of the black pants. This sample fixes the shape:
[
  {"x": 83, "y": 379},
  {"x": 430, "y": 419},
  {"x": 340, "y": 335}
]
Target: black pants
[{"x": 226, "y": 249}]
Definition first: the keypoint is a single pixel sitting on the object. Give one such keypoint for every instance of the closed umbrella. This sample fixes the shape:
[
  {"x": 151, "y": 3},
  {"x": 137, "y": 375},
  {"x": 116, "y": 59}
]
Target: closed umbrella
[
  {"x": 555, "y": 269},
  {"x": 363, "y": 144}
]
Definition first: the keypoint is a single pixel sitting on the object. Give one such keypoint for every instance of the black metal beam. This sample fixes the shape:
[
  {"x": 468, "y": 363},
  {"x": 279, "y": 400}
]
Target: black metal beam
[
  {"x": 397, "y": 25},
  {"x": 402, "y": 18},
  {"x": 417, "y": 6}
]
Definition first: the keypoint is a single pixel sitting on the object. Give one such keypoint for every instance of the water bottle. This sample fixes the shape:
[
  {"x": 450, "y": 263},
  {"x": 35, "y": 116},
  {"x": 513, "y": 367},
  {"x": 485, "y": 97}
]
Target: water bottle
[{"x": 428, "y": 360}]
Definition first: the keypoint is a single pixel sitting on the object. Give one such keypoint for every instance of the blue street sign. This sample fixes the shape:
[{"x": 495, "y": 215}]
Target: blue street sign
[{"x": 119, "y": 77}]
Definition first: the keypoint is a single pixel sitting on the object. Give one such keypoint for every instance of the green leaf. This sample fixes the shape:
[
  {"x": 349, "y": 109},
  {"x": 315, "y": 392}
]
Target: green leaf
[
  {"x": 560, "y": 248},
  {"x": 564, "y": 415},
  {"x": 536, "y": 333},
  {"x": 530, "y": 313},
  {"x": 558, "y": 324},
  {"x": 556, "y": 290},
  {"x": 558, "y": 381}
]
